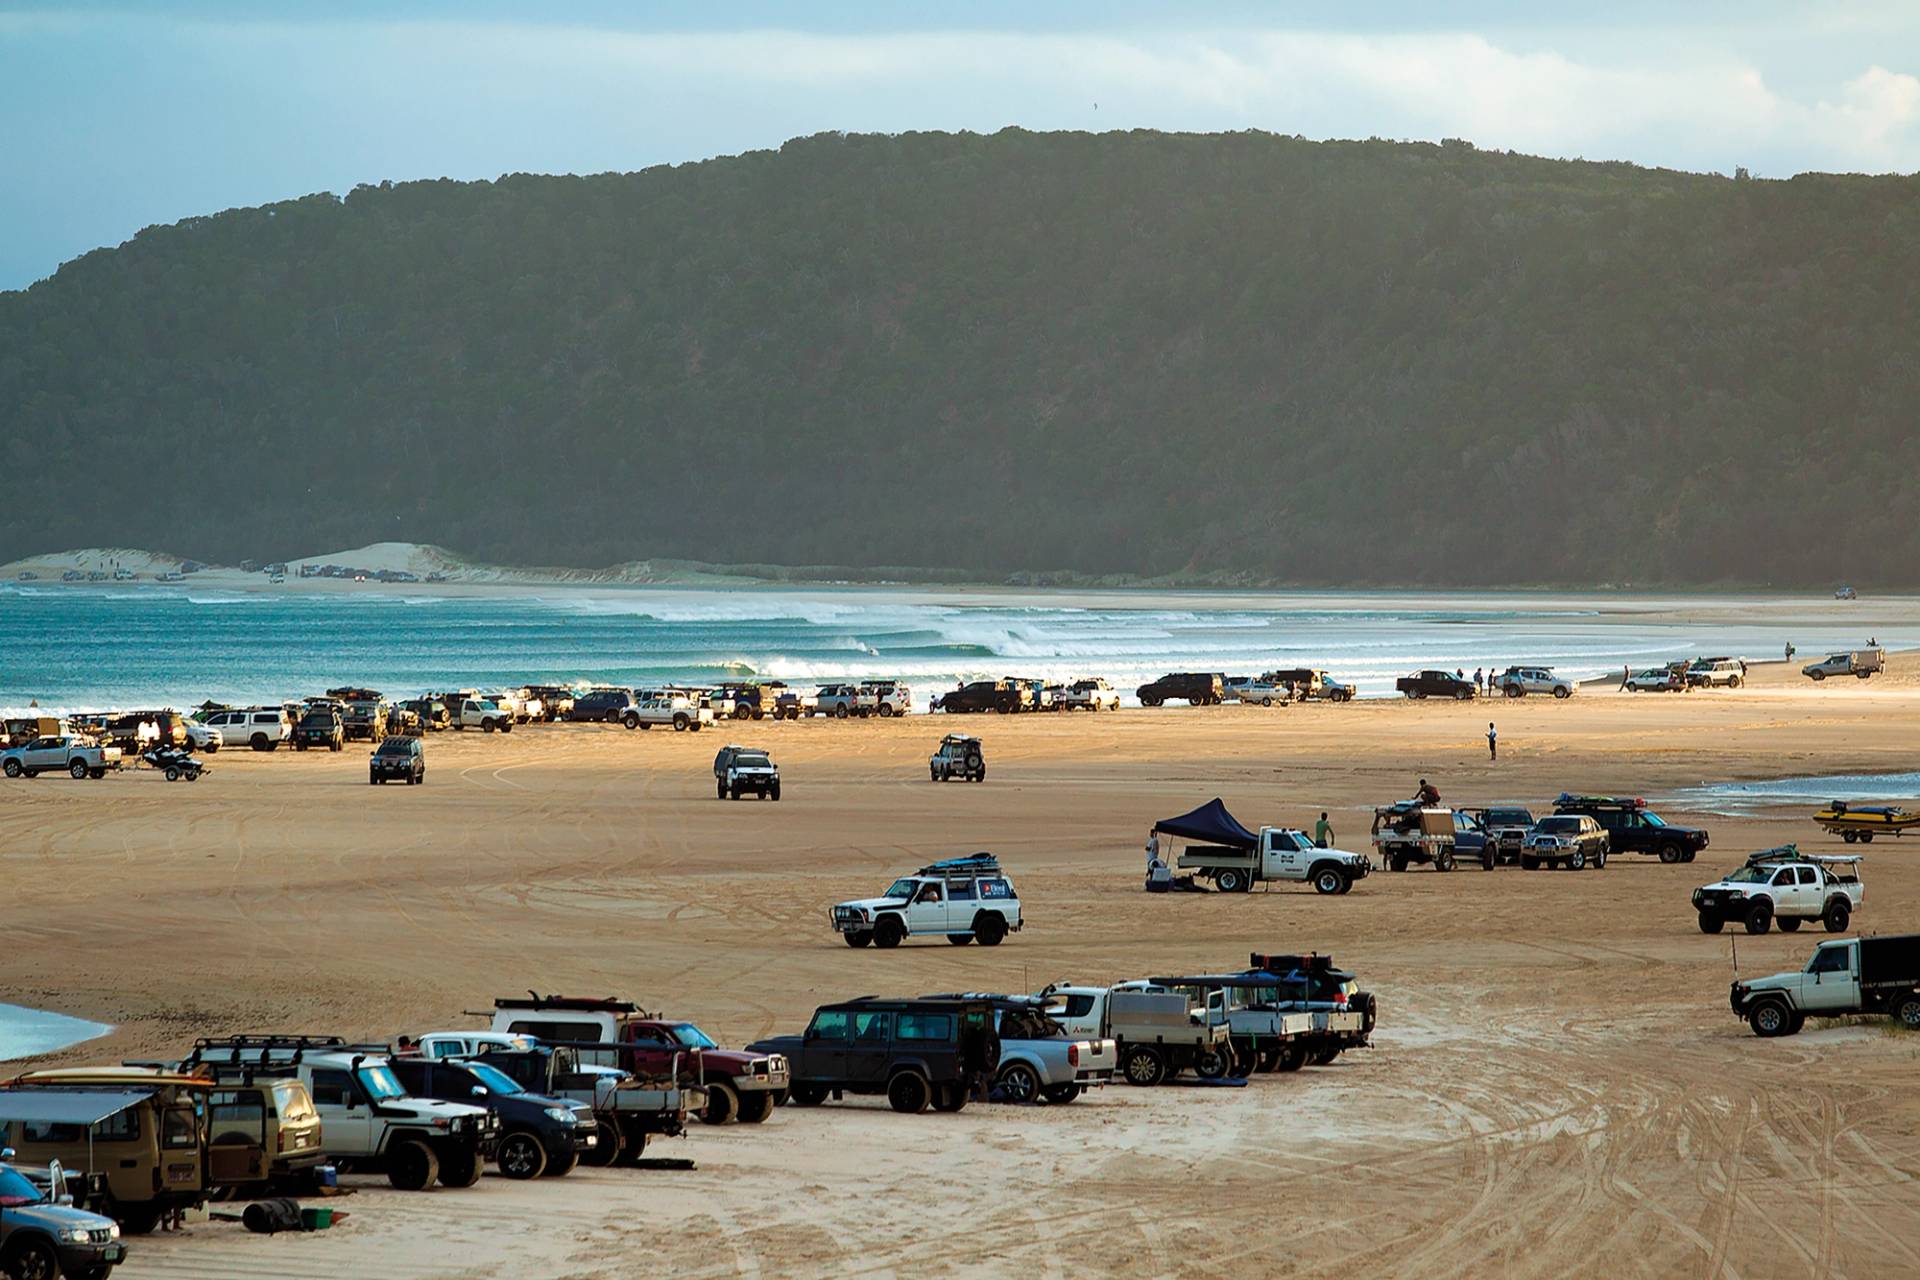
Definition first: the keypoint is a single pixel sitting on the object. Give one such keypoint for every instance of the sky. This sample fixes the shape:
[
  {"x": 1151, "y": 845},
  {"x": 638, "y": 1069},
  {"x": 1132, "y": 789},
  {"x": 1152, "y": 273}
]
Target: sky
[{"x": 115, "y": 117}]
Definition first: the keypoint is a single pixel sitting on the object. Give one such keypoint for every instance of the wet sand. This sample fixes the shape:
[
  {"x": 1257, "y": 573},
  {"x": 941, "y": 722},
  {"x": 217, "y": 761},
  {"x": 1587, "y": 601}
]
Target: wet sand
[{"x": 1557, "y": 1085}]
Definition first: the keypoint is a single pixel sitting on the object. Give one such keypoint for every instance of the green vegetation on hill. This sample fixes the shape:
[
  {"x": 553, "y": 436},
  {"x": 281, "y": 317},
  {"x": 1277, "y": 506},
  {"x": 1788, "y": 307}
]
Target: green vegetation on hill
[{"x": 1238, "y": 358}]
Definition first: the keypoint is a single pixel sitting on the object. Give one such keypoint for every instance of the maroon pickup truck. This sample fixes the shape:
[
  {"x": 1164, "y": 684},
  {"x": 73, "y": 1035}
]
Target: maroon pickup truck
[
  {"x": 740, "y": 1086},
  {"x": 743, "y": 1086}
]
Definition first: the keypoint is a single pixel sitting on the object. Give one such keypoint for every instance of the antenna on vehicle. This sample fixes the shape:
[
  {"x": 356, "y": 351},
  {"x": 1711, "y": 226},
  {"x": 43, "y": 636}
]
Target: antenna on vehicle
[{"x": 1734, "y": 943}]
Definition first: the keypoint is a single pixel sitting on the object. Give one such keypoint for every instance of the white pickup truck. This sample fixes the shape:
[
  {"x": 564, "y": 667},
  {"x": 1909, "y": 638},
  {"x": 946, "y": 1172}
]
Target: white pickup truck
[
  {"x": 1785, "y": 887},
  {"x": 1256, "y": 691},
  {"x": 481, "y": 713},
  {"x": 74, "y": 756},
  {"x": 678, "y": 710},
  {"x": 1039, "y": 1060},
  {"x": 1235, "y": 859}
]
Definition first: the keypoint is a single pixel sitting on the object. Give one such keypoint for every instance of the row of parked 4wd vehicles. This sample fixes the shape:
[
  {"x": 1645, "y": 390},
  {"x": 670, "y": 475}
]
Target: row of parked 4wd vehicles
[
  {"x": 95, "y": 1154},
  {"x": 1581, "y": 832}
]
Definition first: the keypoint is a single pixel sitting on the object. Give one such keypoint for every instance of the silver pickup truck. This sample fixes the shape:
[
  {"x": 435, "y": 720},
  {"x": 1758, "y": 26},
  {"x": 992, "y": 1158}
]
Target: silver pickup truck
[{"x": 1039, "y": 1059}]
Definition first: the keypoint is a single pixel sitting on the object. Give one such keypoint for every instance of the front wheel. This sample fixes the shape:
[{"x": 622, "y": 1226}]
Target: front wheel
[
  {"x": 1770, "y": 1018},
  {"x": 13, "y": 769},
  {"x": 1760, "y": 917},
  {"x": 723, "y": 1103},
  {"x": 32, "y": 1259},
  {"x": 606, "y": 1145},
  {"x": 412, "y": 1166},
  {"x": 1328, "y": 880},
  {"x": 755, "y": 1107},
  {"x": 888, "y": 933},
  {"x": 521, "y": 1156},
  {"x": 1711, "y": 923},
  {"x": 859, "y": 938},
  {"x": 807, "y": 1095},
  {"x": 1577, "y": 860},
  {"x": 1670, "y": 853}
]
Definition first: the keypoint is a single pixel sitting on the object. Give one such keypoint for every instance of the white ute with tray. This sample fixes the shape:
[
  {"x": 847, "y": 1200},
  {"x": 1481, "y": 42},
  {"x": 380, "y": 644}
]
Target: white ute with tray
[{"x": 1235, "y": 859}]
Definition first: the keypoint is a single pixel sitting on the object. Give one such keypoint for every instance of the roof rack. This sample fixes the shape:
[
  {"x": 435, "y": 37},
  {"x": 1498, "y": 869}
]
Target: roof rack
[
  {"x": 258, "y": 1054},
  {"x": 1791, "y": 853},
  {"x": 1312, "y": 962},
  {"x": 972, "y": 864},
  {"x": 534, "y": 1000},
  {"x": 1607, "y": 802}
]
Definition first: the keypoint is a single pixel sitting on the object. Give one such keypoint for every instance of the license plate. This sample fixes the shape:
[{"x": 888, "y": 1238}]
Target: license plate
[{"x": 113, "y": 1253}]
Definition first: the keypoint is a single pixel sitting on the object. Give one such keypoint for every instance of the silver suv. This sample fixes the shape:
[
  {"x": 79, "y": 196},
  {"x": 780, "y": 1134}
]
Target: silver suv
[{"x": 1571, "y": 840}]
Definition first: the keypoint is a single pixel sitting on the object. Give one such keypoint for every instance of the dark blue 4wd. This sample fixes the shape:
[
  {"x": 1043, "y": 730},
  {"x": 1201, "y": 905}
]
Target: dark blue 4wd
[
  {"x": 538, "y": 1135},
  {"x": 43, "y": 1239},
  {"x": 919, "y": 1053},
  {"x": 1632, "y": 828},
  {"x": 398, "y": 759}
]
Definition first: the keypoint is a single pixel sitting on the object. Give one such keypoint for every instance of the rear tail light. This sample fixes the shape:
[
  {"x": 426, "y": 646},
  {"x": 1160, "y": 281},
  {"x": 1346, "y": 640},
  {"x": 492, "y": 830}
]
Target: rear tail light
[{"x": 1073, "y": 1055}]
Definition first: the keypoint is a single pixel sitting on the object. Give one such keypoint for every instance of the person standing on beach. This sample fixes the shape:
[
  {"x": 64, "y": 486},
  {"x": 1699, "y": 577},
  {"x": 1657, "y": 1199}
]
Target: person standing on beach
[
  {"x": 1323, "y": 833},
  {"x": 1493, "y": 742},
  {"x": 1480, "y": 679}
]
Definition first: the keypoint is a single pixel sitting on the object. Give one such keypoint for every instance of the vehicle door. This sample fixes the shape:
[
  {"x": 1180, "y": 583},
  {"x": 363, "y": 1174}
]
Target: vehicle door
[
  {"x": 1807, "y": 890},
  {"x": 346, "y": 1120},
  {"x": 927, "y": 911},
  {"x": 1829, "y": 982},
  {"x": 1285, "y": 858},
  {"x": 236, "y": 1135},
  {"x": 1785, "y": 889},
  {"x": 962, "y": 901},
  {"x": 652, "y": 1050},
  {"x": 870, "y": 1048},
  {"x": 45, "y": 753},
  {"x": 824, "y": 1048},
  {"x": 1079, "y": 1013}
]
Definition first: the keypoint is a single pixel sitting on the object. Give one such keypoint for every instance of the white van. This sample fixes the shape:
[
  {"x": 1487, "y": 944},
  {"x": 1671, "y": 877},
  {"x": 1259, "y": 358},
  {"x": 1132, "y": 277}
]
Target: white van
[{"x": 262, "y": 728}]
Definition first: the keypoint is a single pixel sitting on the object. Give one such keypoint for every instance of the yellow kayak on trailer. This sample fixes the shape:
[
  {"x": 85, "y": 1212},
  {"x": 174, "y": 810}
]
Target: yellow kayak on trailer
[{"x": 1862, "y": 822}]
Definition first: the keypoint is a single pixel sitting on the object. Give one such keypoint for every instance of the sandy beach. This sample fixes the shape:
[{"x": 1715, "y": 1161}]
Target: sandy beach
[{"x": 1557, "y": 1085}]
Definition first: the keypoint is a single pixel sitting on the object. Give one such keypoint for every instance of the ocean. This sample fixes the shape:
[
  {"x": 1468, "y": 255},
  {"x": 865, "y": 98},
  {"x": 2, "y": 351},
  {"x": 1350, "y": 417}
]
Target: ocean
[{"x": 98, "y": 647}]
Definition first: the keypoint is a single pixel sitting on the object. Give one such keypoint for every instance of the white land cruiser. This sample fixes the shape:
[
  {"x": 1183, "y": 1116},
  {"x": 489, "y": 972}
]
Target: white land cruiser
[
  {"x": 1091, "y": 694},
  {"x": 368, "y": 1122},
  {"x": 959, "y": 755},
  {"x": 75, "y": 756},
  {"x": 961, "y": 898},
  {"x": 738, "y": 770},
  {"x": 678, "y": 710},
  {"x": 1786, "y": 887},
  {"x": 481, "y": 713},
  {"x": 1729, "y": 673},
  {"x": 1518, "y": 682}
]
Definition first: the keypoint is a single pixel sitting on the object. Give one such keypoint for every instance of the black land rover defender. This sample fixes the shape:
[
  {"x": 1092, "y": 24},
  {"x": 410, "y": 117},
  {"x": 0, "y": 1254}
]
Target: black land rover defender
[
  {"x": 1632, "y": 828},
  {"x": 1201, "y": 688},
  {"x": 986, "y": 695},
  {"x": 919, "y": 1053},
  {"x": 320, "y": 727}
]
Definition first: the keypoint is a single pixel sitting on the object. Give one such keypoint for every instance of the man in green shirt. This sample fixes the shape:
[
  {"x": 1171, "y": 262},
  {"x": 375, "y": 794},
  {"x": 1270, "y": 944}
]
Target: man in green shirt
[{"x": 1323, "y": 833}]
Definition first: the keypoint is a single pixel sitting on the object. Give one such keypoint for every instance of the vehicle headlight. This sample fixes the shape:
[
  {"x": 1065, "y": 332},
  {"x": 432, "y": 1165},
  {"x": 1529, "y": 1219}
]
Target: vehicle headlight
[
  {"x": 562, "y": 1114},
  {"x": 113, "y": 1231},
  {"x": 78, "y": 1235}
]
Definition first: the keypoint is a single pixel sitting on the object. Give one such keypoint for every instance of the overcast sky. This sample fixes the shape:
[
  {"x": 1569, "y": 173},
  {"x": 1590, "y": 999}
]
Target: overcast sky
[{"x": 118, "y": 116}]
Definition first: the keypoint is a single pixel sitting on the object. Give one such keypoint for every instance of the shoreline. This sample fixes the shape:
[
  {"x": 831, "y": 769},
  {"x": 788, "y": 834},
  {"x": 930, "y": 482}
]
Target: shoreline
[{"x": 670, "y": 573}]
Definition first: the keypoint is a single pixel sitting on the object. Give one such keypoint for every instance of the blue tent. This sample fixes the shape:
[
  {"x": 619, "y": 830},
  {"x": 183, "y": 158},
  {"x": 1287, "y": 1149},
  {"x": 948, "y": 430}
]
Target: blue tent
[{"x": 1209, "y": 824}]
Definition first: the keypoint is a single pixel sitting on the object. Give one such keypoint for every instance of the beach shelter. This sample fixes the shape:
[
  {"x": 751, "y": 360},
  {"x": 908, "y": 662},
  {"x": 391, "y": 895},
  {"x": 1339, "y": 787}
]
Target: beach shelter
[{"x": 1209, "y": 824}]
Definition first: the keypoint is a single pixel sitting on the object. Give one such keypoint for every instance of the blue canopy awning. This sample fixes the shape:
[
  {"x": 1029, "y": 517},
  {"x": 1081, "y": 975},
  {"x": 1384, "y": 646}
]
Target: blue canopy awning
[
  {"x": 68, "y": 1106},
  {"x": 1209, "y": 824}
]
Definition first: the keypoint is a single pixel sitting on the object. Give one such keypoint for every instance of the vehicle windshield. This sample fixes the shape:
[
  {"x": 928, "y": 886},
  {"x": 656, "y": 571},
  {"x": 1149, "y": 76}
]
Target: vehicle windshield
[
  {"x": 1512, "y": 816},
  {"x": 899, "y": 889},
  {"x": 396, "y": 747},
  {"x": 495, "y": 1079},
  {"x": 751, "y": 760},
  {"x": 380, "y": 1084},
  {"x": 693, "y": 1037},
  {"x": 16, "y": 1189},
  {"x": 1559, "y": 825},
  {"x": 1751, "y": 875}
]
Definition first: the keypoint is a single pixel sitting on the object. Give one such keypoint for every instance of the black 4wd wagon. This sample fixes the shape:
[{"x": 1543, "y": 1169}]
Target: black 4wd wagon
[
  {"x": 1632, "y": 828},
  {"x": 398, "y": 759},
  {"x": 919, "y": 1053},
  {"x": 1201, "y": 688}
]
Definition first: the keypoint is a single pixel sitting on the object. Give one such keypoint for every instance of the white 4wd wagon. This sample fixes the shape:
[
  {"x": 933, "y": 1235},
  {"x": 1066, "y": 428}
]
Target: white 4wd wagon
[{"x": 959, "y": 898}]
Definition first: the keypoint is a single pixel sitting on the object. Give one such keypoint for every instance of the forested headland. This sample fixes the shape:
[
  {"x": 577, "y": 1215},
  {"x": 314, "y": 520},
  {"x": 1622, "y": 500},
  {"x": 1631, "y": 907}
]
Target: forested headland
[{"x": 1233, "y": 358}]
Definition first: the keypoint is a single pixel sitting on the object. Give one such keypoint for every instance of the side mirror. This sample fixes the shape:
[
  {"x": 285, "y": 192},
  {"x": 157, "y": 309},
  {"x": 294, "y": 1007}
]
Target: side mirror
[
  {"x": 811, "y": 1034},
  {"x": 479, "y": 1091}
]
